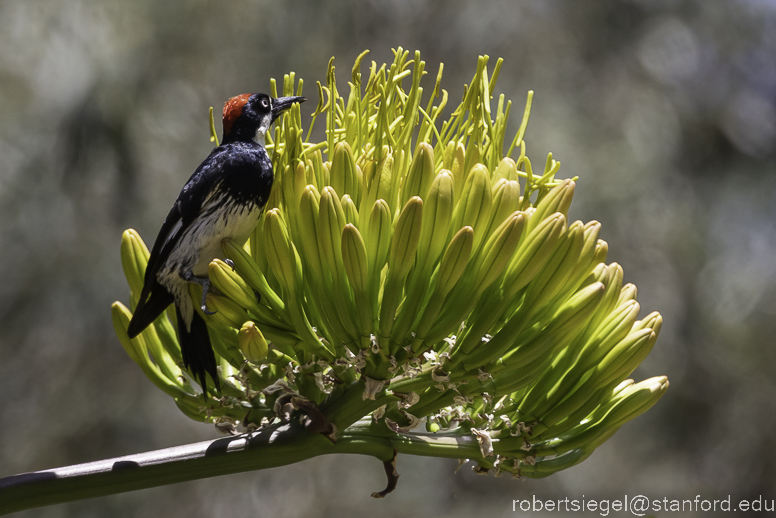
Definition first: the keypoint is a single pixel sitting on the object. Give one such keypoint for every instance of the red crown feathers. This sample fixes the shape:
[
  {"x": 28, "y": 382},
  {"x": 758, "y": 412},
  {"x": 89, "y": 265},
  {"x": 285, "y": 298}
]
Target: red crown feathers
[{"x": 232, "y": 110}]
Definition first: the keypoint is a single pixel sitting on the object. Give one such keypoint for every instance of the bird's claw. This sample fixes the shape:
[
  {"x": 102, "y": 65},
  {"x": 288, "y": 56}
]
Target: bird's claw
[
  {"x": 229, "y": 263},
  {"x": 205, "y": 290},
  {"x": 205, "y": 282}
]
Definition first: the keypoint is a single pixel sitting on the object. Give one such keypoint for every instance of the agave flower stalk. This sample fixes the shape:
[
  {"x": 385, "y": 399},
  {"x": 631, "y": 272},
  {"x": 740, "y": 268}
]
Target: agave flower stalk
[{"x": 414, "y": 270}]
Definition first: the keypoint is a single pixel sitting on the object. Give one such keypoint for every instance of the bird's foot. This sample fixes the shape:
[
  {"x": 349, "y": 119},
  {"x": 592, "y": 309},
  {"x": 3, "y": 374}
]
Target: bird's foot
[
  {"x": 205, "y": 290},
  {"x": 205, "y": 283},
  {"x": 229, "y": 263},
  {"x": 190, "y": 277}
]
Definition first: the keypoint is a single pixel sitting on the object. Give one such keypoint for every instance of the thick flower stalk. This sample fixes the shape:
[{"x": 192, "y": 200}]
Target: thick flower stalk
[{"x": 409, "y": 272}]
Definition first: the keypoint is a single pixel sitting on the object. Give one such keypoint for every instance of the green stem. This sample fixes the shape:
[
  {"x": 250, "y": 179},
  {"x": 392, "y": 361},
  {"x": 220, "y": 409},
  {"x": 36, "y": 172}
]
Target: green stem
[
  {"x": 167, "y": 466},
  {"x": 449, "y": 445},
  {"x": 278, "y": 445}
]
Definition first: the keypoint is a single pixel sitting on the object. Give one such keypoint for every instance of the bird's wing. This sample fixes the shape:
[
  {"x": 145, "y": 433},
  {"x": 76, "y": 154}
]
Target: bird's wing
[
  {"x": 169, "y": 235},
  {"x": 154, "y": 298},
  {"x": 193, "y": 199}
]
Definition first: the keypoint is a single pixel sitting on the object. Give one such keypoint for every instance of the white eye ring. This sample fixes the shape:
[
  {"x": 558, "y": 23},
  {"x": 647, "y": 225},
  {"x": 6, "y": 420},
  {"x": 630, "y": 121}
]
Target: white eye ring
[{"x": 265, "y": 103}]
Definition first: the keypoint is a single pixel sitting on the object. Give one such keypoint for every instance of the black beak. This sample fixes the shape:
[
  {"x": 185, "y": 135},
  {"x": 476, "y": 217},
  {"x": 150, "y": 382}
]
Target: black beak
[{"x": 281, "y": 104}]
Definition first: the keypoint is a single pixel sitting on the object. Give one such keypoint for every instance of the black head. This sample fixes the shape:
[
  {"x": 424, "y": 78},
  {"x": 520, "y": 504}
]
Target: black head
[{"x": 249, "y": 116}]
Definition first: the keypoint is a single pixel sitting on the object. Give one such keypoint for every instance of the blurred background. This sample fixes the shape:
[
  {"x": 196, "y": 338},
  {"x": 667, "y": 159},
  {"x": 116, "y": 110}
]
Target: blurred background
[{"x": 666, "y": 110}]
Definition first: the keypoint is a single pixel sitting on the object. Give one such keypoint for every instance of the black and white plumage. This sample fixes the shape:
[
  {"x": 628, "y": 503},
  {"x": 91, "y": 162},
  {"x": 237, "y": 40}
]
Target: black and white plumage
[{"x": 222, "y": 199}]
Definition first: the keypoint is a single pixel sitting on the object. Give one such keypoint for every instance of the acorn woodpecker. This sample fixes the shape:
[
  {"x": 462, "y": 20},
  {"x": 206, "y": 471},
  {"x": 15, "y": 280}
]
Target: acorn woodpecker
[{"x": 223, "y": 199}]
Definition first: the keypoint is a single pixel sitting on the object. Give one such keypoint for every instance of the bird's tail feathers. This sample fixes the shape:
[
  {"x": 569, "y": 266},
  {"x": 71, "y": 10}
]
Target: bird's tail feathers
[
  {"x": 197, "y": 352},
  {"x": 148, "y": 309}
]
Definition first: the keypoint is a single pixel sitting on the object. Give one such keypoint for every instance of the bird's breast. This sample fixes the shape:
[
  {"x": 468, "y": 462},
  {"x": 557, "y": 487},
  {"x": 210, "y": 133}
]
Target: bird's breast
[{"x": 235, "y": 221}]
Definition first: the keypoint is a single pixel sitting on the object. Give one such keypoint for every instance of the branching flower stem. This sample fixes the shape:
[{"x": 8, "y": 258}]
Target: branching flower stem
[{"x": 270, "y": 447}]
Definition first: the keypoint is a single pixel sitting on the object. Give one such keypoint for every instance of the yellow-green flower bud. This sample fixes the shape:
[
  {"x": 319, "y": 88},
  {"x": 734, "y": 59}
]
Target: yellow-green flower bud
[
  {"x": 601, "y": 251},
  {"x": 497, "y": 252},
  {"x": 584, "y": 264},
  {"x": 226, "y": 311},
  {"x": 533, "y": 253},
  {"x": 331, "y": 221},
  {"x": 628, "y": 292},
  {"x": 377, "y": 237},
  {"x": 619, "y": 358},
  {"x": 252, "y": 343},
  {"x": 285, "y": 184},
  {"x": 300, "y": 182},
  {"x": 248, "y": 270},
  {"x": 231, "y": 285},
  {"x": 559, "y": 268},
  {"x": 350, "y": 210},
  {"x": 654, "y": 321},
  {"x": 456, "y": 168},
  {"x": 451, "y": 268},
  {"x": 287, "y": 266},
  {"x": 420, "y": 175},
  {"x": 592, "y": 229},
  {"x": 608, "y": 333},
  {"x": 628, "y": 403},
  {"x": 354, "y": 258},
  {"x": 379, "y": 186},
  {"x": 638, "y": 398},
  {"x": 326, "y": 174},
  {"x": 137, "y": 349},
  {"x": 473, "y": 207},
  {"x": 506, "y": 200},
  {"x": 356, "y": 268},
  {"x": 447, "y": 157},
  {"x": 405, "y": 239},
  {"x": 557, "y": 200},
  {"x": 507, "y": 169},
  {"x": 567, "y": 322},
  {"x": 280, "y": 249},
  {"x": 308, "y": 230},
  {"x": 611, "y": 277},
  {"x": 344, "y": 175},
  {"x": 401, "y": 257},
  {"x": 455, "y": 259},
  {"x": 437, "y": 212},
  {"x": 134, "y": 257}
]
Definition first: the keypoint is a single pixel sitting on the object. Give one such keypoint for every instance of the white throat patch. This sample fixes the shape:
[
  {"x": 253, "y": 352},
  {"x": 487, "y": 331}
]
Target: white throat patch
[{"x": 263, "y": 128}]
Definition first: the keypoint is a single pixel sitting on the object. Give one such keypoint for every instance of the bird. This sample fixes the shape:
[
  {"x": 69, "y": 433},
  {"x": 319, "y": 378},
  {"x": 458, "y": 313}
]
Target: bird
[{"x": 223, "y": 199}]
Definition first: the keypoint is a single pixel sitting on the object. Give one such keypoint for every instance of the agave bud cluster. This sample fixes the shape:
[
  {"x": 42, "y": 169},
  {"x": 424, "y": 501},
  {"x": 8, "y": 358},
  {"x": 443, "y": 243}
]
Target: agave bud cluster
[{"x": 417, "y": 258}]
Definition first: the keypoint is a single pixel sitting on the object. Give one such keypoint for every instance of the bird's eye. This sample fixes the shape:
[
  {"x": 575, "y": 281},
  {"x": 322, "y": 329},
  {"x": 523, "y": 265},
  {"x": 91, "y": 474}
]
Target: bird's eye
[{"x": 265, "y": 103}]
